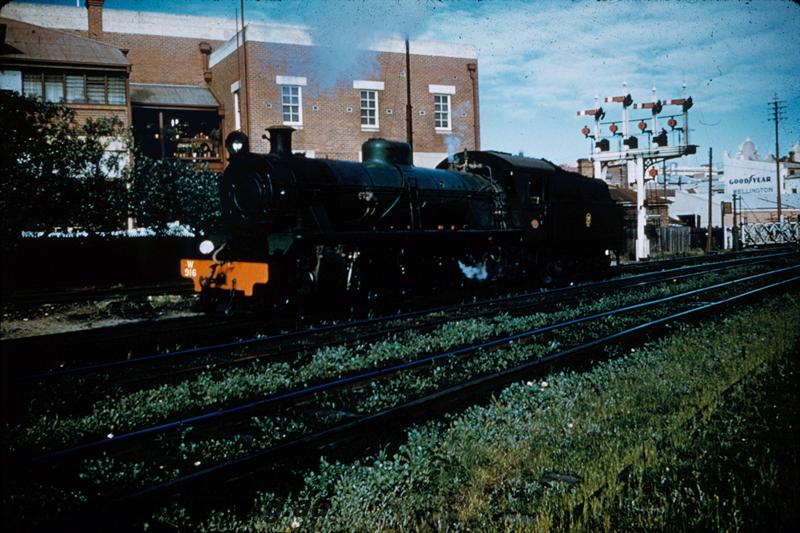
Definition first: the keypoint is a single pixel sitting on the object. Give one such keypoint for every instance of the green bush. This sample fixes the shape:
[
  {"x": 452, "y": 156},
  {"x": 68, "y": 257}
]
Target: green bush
[
  {"x": 55, "y": 172},
  {"x": 167, "y": 190}
]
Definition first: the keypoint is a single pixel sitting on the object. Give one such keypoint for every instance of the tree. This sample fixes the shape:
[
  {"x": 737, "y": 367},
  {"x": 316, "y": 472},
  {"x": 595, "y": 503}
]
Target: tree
[
  {"x": 56, "y": 172},
  {"x": 168, "y": 190}
]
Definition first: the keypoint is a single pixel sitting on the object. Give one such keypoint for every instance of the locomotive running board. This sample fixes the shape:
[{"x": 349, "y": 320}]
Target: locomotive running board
[{"x": 234, "y": 275}]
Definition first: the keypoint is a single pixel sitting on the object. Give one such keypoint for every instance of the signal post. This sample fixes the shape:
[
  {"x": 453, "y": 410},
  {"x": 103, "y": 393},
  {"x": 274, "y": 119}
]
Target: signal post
[{"x": 655, "y": 149}]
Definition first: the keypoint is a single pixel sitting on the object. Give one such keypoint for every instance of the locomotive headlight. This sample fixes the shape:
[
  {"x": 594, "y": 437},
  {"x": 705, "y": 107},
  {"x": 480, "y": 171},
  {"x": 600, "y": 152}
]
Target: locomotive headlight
[
  {"x": 237, "y": 143},
  {"x": 608, "y": 252},
  {"x": 206, "y": 247}
]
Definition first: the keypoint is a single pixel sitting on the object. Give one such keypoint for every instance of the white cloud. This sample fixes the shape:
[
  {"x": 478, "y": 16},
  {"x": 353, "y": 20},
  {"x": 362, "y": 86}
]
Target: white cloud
[{"x": 540, "y": 62}]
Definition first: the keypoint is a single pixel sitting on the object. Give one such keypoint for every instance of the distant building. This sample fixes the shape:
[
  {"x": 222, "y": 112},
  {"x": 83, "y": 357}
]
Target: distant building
[
  {"x": 752, "y": 178},
  {"x": 193, "y": 79}
]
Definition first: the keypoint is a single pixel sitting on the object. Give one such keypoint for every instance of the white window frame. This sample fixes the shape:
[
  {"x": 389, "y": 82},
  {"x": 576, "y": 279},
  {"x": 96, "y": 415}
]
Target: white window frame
[
  {"x": 438, "y": 115},
  {"x": 376, "y": 109},
  {"x": 292, "y": 81},
  {"x": 299, "y": 104},
  {"x": 237, "y": 105},
  {"x": 374, "y": 87}
]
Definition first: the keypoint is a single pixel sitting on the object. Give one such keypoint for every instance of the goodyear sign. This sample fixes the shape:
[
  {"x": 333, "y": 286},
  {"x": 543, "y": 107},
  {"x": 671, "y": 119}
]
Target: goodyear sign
[
  {"x": 750, "y": 177},
  {"x": 751, "y": 184}
]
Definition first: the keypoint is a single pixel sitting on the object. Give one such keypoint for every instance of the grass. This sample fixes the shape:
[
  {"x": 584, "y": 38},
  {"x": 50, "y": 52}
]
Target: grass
[
  {"x": 647, "y": 441},
  {"x": 120, "y": 413}
]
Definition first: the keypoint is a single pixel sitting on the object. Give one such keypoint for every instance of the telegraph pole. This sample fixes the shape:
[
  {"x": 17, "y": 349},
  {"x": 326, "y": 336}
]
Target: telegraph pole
[
  {"x": 778, "y": 108},
  {"x": 409, "y": 109},
  {"x": 735, "y": 227},
  {"x": 710, "y": 179}
]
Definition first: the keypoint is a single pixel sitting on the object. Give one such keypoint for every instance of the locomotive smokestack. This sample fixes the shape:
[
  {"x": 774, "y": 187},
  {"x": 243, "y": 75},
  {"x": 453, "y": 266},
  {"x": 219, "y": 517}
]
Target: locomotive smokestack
[{"x": 280, "y": 139}]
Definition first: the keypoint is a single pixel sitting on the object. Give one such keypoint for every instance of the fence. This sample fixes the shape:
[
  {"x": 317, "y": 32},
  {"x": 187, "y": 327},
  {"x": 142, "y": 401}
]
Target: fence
[
  {"x": 671, "y": 240},
  {"x": 76, "y": 262},
  {"x": 770, "y": 233}
]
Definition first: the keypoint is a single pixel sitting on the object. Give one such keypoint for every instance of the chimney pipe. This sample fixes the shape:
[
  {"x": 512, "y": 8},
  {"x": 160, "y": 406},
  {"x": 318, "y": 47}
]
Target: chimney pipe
[
  {"x": 95, "y": 11},
  {"x": 280, "y": 139}
]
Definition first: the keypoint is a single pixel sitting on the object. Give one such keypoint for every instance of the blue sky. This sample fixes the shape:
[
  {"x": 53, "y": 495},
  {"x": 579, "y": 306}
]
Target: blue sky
[{"x": 539, "y": 62}]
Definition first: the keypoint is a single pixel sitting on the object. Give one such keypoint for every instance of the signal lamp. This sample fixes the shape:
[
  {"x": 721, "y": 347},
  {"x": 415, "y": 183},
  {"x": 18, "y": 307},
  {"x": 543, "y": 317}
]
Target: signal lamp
[
  {"x": 672, "y": 123},
  {"x": 535, "y": 223},
  {"x": 653, "y": 172},
  {"x": 585, "y": 130},
  {"x": 613, "y": 128},
  {"x": 642, "y": 126}
]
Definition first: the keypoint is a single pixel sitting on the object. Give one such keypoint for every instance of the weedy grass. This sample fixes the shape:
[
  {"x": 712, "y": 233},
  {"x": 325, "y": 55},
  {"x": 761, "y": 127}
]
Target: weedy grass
[
  {"x": 120, "y": 413},
  {"x": 650, "y": 440}
]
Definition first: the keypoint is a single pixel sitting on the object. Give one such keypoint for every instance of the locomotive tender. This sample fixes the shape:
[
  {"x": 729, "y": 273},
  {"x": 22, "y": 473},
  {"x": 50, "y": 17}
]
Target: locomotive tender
[{"x": 292, "y": 226}]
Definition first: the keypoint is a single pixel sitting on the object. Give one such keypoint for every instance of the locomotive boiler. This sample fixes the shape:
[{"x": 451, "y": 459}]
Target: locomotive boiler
[{"x": 294, "y": 227}]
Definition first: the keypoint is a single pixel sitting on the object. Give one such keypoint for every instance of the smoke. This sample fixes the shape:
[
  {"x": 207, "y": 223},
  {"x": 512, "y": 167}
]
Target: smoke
[
  {"x": 343, "y": 32},
  {"x": 454, "y": 142}
]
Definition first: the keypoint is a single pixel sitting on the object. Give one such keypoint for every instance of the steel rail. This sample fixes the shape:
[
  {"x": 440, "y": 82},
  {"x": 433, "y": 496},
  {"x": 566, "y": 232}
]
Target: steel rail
[
  {"x": 245, "y": 343},
  {"x": 372, "y": 374},
  {"x": 245, "y": 466}
]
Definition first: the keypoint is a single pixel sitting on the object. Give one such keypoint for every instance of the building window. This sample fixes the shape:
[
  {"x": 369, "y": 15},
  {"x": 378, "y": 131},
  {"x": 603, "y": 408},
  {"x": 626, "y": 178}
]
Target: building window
[
  {"x": 75, "y": 88},
  {"x": 116, "y": 91},
  {"x": 96, "y": 89},
  {"x": 54, "y": 88},
  {"x": 441, "y": 111},
  {"x": 237, "y": 112},
  {"x": 369, "y": 110},
  {"x": 292, "y": 104},
  {"x": 32, "y": 85}
]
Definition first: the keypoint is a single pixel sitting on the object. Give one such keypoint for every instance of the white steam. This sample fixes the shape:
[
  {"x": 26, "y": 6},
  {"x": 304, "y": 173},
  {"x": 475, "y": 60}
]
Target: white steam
[
  {"x": 342, "y": 32},
  {"x": 477, "y": 271},
  {"x": 454, "y": 142}
]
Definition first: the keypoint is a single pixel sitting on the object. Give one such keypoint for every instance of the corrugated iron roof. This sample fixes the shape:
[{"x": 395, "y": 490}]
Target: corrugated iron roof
[
  {"x": 27, "y": 43},
  {"x": 626, "y": 196},
  {"x": 171, "y": 95}
]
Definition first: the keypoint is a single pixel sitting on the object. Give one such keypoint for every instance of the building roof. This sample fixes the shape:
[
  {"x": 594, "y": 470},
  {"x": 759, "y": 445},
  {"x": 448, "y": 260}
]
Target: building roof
[
  {"x": 28, "y": 44},
  {"x": 164, "y": 95},
  {"x": 624, "y": 196}
]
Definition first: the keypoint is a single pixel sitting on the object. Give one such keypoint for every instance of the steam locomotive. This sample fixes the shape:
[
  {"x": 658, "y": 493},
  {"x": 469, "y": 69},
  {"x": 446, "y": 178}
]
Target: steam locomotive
[{"x": 295, "y": 228}]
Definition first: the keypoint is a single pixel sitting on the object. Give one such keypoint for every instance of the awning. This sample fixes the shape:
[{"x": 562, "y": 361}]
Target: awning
[{"x": 163, "y": 95}]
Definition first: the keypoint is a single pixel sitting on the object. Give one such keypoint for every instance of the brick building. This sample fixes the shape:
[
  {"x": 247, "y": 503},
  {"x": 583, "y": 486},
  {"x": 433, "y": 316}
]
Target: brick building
[
  {"x": 88, "y": 76},
  {"x": 193, "y": 79}
]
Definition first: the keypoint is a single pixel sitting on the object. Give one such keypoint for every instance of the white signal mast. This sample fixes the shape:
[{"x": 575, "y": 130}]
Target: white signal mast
[{"x": 638, "y": 160}]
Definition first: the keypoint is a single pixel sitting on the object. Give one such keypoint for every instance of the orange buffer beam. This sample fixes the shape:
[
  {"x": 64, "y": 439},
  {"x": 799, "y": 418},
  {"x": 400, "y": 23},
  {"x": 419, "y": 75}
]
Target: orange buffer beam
[{"x": 235, "y": 275}]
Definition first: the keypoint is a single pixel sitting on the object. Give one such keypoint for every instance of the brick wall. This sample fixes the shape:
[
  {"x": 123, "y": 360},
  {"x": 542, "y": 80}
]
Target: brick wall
[
  {"x": 333, "y": 132},
  {"x": 87, "y": 111},
  {"x": 161, "y": 59}
]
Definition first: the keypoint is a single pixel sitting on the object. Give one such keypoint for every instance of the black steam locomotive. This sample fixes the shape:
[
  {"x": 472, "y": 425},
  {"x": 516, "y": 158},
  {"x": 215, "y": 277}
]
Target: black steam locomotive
[{"x": 294, "y": 227}]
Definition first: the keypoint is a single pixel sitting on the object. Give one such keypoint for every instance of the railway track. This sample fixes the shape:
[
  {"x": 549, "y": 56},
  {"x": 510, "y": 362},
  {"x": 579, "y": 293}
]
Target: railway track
[
  {"x": 146, "y": 337},
  {"x": 352, "y": 423},
  {"x": 34, "y": 297},
  {"x": 170, "y": 367}
]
